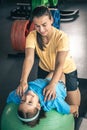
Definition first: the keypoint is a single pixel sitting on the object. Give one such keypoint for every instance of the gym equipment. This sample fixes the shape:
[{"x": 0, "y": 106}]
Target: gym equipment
[
  {"x": 20, "y": 29},
  {"x": 49, "y": 3},
  {"x": 36, "y": 3},
  {"x": 53, "y": 3},
  {"x": 53, "y": 120},
  {"x": 21, "y": 11},
  {"x": 56, "y": 17},
  {"x": 68, "y": 15}
]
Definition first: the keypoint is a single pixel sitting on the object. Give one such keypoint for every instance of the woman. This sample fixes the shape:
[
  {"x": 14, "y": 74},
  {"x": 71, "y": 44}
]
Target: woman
[{"x": 52, "y": 47}]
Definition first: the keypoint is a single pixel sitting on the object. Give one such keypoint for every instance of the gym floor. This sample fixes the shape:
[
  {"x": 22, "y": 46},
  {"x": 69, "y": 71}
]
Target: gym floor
[{"x": 11, "y": 63}]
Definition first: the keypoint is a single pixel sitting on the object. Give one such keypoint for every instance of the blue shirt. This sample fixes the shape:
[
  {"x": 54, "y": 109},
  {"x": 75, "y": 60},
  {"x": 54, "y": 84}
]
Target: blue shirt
[{"x": 37, "y": 87}]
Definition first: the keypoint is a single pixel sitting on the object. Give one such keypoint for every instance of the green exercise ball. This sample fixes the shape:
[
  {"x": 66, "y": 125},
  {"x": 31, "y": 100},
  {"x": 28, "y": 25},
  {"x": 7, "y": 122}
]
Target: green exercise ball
[{"x": 53, "y": 120}]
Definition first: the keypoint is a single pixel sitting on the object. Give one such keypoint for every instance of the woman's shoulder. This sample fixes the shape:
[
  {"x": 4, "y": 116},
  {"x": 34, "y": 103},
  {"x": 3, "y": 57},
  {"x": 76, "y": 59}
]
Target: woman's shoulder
[
  {"x": 59, "y": 31},
  {"x": 33, "y": 32}
]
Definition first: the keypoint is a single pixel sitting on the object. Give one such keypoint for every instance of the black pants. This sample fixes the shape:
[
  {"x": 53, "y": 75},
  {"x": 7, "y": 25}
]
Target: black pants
[
  {"x": 71, "y": 81},
  {"x": 42, "y": 73}
]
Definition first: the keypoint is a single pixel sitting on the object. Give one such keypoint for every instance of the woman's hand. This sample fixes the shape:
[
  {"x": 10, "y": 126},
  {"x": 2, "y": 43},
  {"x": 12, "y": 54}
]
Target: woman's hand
[
  {"x": 22, "y": 88},
  {"x": 49, "y": 92}
]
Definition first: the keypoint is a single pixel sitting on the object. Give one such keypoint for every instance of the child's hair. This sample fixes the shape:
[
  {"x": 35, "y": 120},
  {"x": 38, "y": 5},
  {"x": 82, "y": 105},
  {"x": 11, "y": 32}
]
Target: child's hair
[
  {"x": 31, "y": 118},
  {"x": 38, "y": 12}
]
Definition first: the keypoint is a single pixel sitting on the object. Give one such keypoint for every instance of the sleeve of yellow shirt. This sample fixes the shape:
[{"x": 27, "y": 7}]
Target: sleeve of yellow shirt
[
  {"x": 63, "y": 42},
  {"x": 31, "y": 40}
]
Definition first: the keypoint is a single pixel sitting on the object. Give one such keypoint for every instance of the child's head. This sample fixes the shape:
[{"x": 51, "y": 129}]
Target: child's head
[{"x": 29, "y": 109}]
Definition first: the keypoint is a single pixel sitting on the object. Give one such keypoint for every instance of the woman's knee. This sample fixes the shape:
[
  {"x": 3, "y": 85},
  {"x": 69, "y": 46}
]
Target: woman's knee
[{"x": 74, "y": 97}]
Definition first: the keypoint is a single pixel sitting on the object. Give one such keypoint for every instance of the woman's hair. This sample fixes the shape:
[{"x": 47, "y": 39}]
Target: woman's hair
[
  {"x": 28, "y": 115},
  {"x": 38, "y": 12}
]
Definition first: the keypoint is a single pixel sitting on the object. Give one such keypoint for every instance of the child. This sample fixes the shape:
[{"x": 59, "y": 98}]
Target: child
[{"x": 32, "y": 102}]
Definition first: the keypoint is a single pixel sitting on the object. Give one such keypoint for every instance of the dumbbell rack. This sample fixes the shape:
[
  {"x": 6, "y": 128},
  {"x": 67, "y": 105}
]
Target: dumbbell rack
[
  {"x": 21, "y": 11},
  {"x": 68, "y": 15}
]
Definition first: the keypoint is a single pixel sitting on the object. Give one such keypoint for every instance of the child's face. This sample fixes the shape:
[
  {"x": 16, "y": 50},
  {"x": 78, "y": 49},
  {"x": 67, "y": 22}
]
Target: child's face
[{"x": 29, "y": 102}]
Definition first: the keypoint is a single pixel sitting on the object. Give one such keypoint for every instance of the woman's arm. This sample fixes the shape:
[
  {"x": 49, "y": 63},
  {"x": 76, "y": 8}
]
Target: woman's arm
[
  {"x": 49, "y": 91},
  {"x": 62, "y": 78},
  {"x": 60, "y": 60},
  {"x": 27, "y": 66}
]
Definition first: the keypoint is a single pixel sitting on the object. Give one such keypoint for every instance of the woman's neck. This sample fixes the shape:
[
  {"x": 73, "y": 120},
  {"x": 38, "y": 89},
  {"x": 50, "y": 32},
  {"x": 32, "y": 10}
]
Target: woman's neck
[{"x": 47, "y": 38}]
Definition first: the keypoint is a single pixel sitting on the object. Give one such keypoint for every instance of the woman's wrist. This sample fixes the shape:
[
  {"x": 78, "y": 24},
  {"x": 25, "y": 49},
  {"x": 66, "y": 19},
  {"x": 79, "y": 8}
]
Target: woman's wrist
[
  {"x": 54, "y": 83},
  {"x": 23, "y": 81}
]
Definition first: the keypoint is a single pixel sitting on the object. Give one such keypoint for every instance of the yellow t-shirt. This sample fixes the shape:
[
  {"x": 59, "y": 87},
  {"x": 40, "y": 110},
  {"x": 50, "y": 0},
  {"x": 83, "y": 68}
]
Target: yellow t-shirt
[{"x": 58, "y": 42}]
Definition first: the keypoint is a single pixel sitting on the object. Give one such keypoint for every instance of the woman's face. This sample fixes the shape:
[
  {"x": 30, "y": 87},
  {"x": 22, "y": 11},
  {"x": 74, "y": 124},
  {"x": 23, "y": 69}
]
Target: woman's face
[
  {"x": 43, "y": 25},
  {"x": 29, "y": 102}
]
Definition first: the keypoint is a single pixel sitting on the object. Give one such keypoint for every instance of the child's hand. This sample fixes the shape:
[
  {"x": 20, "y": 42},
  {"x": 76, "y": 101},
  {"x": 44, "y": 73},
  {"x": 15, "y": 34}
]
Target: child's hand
[
  {"x": 49, "y": 92},
  {"x": 22, "y": 88}
]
